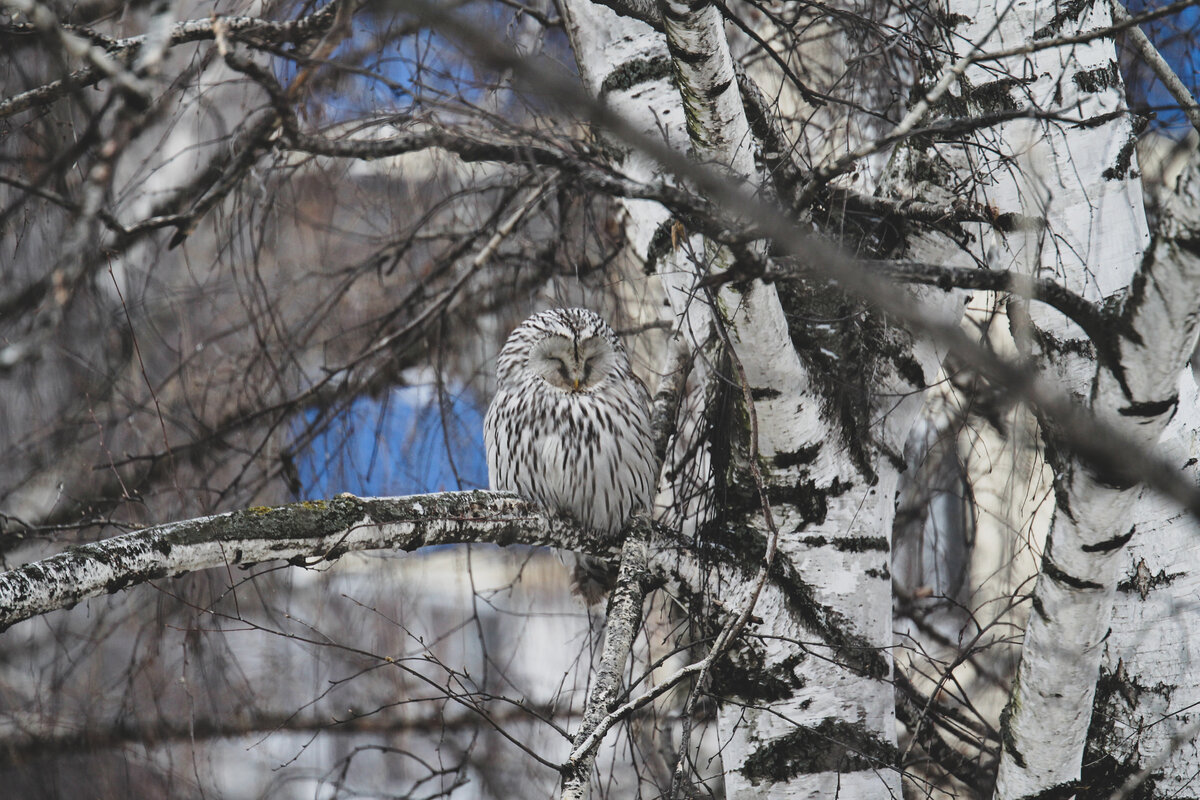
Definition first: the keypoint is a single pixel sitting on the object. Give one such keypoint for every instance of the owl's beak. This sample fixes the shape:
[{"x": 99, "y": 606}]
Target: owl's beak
[{"x": 575, "y": 383}]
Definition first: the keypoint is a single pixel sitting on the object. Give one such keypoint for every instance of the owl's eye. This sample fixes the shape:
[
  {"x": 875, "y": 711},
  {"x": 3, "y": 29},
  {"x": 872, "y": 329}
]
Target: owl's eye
[
  {"x": 562, "y": 370},
  {"x": 587, "y": 370}
]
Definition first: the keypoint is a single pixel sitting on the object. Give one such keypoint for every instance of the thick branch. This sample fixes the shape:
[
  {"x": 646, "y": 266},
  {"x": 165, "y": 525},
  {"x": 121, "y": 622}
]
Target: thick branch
[
  {"x": 303, "y": 534},
  {"x": 1098, "y": 325},
  {"x": 26, "y": 745}
]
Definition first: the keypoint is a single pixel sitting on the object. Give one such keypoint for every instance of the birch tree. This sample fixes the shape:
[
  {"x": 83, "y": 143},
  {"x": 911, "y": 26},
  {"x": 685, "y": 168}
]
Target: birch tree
[
  {"x": 1088, "y": 231},
  {"x": 786, "y": 216}
]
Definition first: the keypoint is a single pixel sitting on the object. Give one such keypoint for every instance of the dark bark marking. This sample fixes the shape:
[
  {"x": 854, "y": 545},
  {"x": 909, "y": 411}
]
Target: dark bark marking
[
  {"x": 1108, "y": 545},
  {"x": 1007, "y": 740},
  {"x": 1142, "y": 581},
  {"x": 1095, "y": 80},
  {"x": 1108, "y": 760},
  {"x": 946, "y": 19},
  {"x": 745, "y": 674},
  {"x": 1112, "y": 476},
  {"x": 1062, "y": 499},
  {"x": 1189, "y": 244},
  {"x": 1149, "y": 408},
  {"x": 831, "y": 746},
  {"x": 634, "y": 72},
  {"x": 686, "y": 56},
  {"x": 662, "y": 242},
  {"x": 1011, "y": 221},
  {"x": 808, "y": 498},
  {"x": 1069, "y": 12},
  {"x": 796, "y": 458},
  {"x": 995, "y": 96},
  {"x": 1120, "y": 169},
  {"x": 718, "y": 89},
  {"x": 1039, "y": 608},
  {"x": 1056, "y": 574},
  {"x": 1059, "y": 791},
  {"x": 910, "y": 369},
  {"x": 849, "y": 544}
]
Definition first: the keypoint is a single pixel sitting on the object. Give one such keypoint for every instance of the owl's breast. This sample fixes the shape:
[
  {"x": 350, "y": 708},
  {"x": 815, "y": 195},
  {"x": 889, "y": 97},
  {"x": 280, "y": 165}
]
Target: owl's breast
[{"x": 574, "y": 453}]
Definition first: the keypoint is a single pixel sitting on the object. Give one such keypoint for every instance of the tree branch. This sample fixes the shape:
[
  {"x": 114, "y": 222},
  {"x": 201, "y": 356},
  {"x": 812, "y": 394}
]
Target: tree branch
[
  {"x": 1099, "y": 326},
  {"x": 26, "y": 744},
  {"x": 624, "y": 620},
  {"x": 124, "y": 51},
  {"x": 302, "y": 534},
  {"x": 101, "y": 59},
  {"x": 1149, "y": 53}
]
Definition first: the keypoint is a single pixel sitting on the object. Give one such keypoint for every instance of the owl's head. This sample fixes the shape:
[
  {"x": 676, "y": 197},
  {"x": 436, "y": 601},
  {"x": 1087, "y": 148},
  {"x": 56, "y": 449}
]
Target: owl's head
[
  {"x": 570, "y": 349},
  {"x": 572, "y": 363}
]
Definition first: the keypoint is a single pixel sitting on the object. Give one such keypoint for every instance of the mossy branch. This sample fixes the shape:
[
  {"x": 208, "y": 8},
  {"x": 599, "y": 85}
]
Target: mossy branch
[{"x": 302, "y": 534}]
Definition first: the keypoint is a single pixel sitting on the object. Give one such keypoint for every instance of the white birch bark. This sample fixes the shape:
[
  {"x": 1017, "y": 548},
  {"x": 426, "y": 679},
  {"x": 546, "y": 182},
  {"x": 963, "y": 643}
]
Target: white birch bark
[
  {"x": 1077, "y": 186},
  {"x": 1144, "y": 728},
  {"x": 1144, "y": 734}
]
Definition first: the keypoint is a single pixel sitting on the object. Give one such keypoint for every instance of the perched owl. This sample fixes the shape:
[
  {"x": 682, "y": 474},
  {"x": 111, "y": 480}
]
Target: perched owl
[{"x": 570, "y": 424}]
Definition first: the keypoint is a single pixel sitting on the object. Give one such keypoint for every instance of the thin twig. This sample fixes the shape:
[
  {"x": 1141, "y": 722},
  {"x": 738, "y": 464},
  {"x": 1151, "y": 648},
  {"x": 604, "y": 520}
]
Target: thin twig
[
  {"x": 1149, "y": 53},
  {"x": 123, "y": 50},
  {"x": 824, "y": 173}
]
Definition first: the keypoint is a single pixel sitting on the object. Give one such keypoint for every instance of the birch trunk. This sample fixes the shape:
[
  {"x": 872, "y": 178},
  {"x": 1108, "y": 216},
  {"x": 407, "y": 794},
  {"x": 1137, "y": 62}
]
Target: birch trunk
[
  {"x": 815, "y": 721},
  {"x": 1075, "y": 203},
  {"x": 1143, "y": 736}
]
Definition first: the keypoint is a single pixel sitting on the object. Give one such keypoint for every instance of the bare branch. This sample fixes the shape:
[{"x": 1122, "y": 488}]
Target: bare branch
[
  {"x": 1149, "y": 53},
  {"x": 27, "y": 743},
  {"x": 73, "y": 44},
  {"x": 303, "y": 534},
  {"x": 624, "y": 621},
  {"x": 1099, "y": 326}
]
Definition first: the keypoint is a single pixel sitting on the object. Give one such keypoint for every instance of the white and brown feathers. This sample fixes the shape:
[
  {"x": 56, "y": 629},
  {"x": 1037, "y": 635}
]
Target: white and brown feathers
[{"x": 569, "y": 426}]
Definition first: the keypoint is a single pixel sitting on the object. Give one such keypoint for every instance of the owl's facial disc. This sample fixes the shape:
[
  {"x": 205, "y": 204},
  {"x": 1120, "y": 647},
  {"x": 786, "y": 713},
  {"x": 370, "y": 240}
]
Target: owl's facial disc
[
  {"x": 571, "y": 365},
  {"x": 597, "y": 359}
]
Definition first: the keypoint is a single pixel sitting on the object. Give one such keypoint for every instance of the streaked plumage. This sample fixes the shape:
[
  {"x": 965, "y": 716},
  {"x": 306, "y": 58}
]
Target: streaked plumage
[{"x": 569, "y": 426}]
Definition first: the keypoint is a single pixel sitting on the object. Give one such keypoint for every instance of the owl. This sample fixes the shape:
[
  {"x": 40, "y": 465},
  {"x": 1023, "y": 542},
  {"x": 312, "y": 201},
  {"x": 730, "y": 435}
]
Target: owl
[{"x": 569, "y": 426}]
